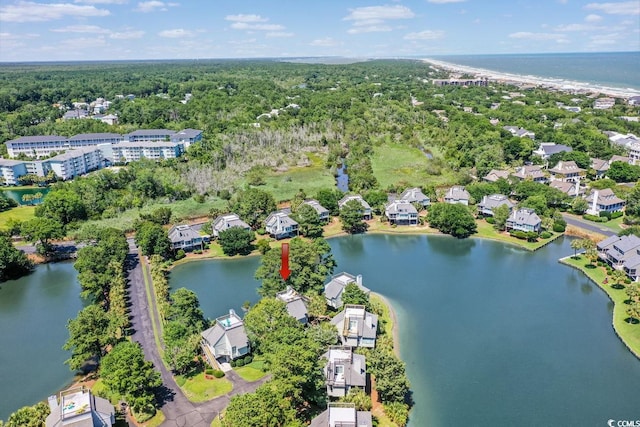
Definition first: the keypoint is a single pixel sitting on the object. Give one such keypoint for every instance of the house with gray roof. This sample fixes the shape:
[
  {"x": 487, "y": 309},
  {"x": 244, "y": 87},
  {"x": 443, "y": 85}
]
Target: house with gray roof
[
  {"x": 76, "y": 162},
  {"x": 415, "y": 195},
  {"x": 335, "y": 287},
  {"x": 323, "y": 213},
  {"x": 366, "y": 209},
  {"x": 226, "y": 340},
  {"x": 93, "y": 139},
  {"x": 296, "y": 304},
  {"x": 37, "y": 146},
  {"x": 571, "y": 189},
  {"x": 280, "y": 225},
  {"x": 224, "y": 222},
  {"x": 78, "y": 407},
  {"x": 519, "y": 132},
  {"x": 600, "y": 167},
  {"x": 622, "y": 253},
  {"x": 187, "y": 137},
  {"x": 185, "y": 237},
  {"x": 457, "y": 194},
  {"x": 530, "y": 173},
  {"x": 344, "y": 370},
  {"x": 604, "y": 200},
  {"x": 489, "y": 203},
  {"x": 153, "y": 135},
  {"x": 547, "y": 149},
  {"x": 11, "y": 171},
  {"x": 524, "y": 219},
  {"x": 567, "y": 171},
  {"x": 401, "y": 212},
  {"x": 356, "y": 326},
  {"x": 340, "y": 414},
  {"x": 496, "y": 174}
]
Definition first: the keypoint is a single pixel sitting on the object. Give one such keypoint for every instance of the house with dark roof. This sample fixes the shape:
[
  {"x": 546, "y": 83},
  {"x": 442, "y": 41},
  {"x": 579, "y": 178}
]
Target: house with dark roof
[
  {"x": 340, "y": 414},
  {"x": 280, "y": 225},
  {"x": 567, "y": 171},
  {"x": 296, "y": 304},
  {"x": 356, "y": 326},
  {"x": 604, "y": 200},
  {"x": 224, "y": 222},
  {"x": 401, "y": 212},
  {"x": 185, "y": 237},
  {"x": 78, "y": 407},
  {"x": 415, "y": 195},
  {"x": 530, "y": 172},
  {"x": 153, "y": 135},
  {"x": 547, "y": 149},
  {"x": 496, "y": 174},
  {"x": 323, "y": 213},
  {"x": 226, "y": 340},
  {"x": 335, "y": 287},
  {"x": 344, "y": 371},
  {"x": 366, "y": 209},
  {"x": 524, "y": 219},
  {"x": 457, "y": 194},
  {"x": 489, "y": 203}
]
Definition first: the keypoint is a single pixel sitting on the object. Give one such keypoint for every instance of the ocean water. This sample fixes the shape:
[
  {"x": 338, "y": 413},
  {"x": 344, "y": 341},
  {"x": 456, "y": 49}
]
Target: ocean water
[{"x": 613, "y": 69}]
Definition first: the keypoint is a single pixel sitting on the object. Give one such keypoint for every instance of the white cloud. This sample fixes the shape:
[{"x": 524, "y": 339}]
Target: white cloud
[
  {"x": 81, "y": 29},
  {"x": 245, "y": 18},
  {"x": 425, "y": 35},
  {"x": 154, "y": 5},
  {"x": 279, "y": 34},
  {"x": 578, "y": 27},
  {"x": 559, "y": 38},
  {"x": 620, "y": 8},
  {"x": 605, "y": 39},
  {"x": 176, "y": 33},
  {"x": 372, "y": 19},
  {"x": 258, "y": 27},
  {"x": 25, "y": 11},
  {"x": 101, "y": 1},
  {"x": 325, "y": 42},
  {"x": 445, "y": 1},
  {"x": 127, "y": 35},
  {"x": 593, "y": 18}
]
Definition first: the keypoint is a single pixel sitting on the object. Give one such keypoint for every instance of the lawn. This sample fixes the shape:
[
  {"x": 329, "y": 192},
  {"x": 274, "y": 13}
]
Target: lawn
[
  {"x": 253, "y": 371},
  {"x": 98, "y": 389},
  {"x": 21, "y": 213},
  {"x": 199, "y": 389},
  {"x": 629, "y": 333},
  {"x": 486, "y": 231},
  {"x": 394, "y": 163}
]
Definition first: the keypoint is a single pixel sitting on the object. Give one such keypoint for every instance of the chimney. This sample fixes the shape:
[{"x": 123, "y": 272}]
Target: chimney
[
  {"x": 577, "y": 188},
  {"x": 232, "y": 312},
  {"x": 595, "y": 202},
  {"x": 359, "y": 279},
  {"x": 53, "y": 402}
]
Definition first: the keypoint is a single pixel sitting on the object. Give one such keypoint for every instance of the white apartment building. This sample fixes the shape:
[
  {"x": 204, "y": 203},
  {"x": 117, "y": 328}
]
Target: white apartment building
[
  {"x": 11, "y": 170},
  {"x": 75, "y": 162},
  {"x": 129, "y": 151},
  {"x": 37, "y": 146}
]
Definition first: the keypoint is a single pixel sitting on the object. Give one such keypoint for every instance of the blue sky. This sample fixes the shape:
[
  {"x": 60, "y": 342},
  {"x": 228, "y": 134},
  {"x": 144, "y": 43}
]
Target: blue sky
[{"x": 49, "y": 30}]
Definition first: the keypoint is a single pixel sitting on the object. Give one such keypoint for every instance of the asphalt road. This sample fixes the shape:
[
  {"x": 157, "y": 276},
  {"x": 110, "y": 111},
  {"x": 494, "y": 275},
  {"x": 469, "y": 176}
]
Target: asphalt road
[
  {"x": 587, "y": 225},
  {"x": 178, "y": 410}
]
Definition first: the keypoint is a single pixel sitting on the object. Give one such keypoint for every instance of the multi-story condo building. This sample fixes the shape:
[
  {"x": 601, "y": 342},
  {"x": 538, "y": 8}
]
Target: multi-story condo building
[
  {"x": 74, "y": 162},
  {"x": 11, "y": 170},
  {"x": 149, "y": 135},
  {"x": 37, "y": 146},
  {"x": 131, "y": 151},
  {"x": 93, "y": 139}
]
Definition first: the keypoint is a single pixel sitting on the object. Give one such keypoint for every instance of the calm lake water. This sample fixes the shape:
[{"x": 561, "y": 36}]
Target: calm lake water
[
  {"x": 491, "y": 334},
  {"x": 33, "y": 328},
  {"x": 16, "y": 194}
]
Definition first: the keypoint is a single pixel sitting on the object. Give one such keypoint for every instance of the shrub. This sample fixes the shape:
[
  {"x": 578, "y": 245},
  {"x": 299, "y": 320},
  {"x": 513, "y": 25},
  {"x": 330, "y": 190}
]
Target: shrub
[
  {"x": 627, "y": 281},
  {"x": 518, "y": 234},
  {"x": 233, "y": 363},
  {"x": 180, "y": 380},
  {"x": 239, "y": 363},
  {"x": 248, "y": 359},
  {"x": 218, "y": 373},
  {"x": 545, "y": 235},
  {"x": 558, "y": 228},
  {"x": 224, "y": 195},
  {"x": 490, "y": 220},
  {"x": 208, "y": 371},
  {"x": 180, "y": 254},
  {"x": 615, "y": 215},
  {"x": 605, "y": 214},
  {"x": 263, "y": 246},
  {"x": 197, "y": 251},
  {"x": 595, "y": 218},
  {"x": 397, "y": 412}
]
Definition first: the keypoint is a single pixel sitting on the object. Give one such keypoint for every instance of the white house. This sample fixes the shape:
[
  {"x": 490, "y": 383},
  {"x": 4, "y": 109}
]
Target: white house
[
  {"x": 280, "y": 225},
  {"x": 344, "y": 371},
  {"x": 224, "y": 222},
  {"x": 457, "y": 195},
  {"x": 524, "y": 220},
  {"x": 401, "y": 212},
  {"x": 415, "y": 195},
  {"x": 604, "y": 201},
  {"x": 366, "y": 209},
  {"x": 323, "y": 213},
  {"x": 341, "y": 414},
  {"x": 296, "y": 304},
  {"x": 356, "y": 326},
  {"x": 226, "y": 340},
  {"x": 334, "y": 288},
  {"x": 78, "y": 407},
  {"x": 185, "y": 237}
]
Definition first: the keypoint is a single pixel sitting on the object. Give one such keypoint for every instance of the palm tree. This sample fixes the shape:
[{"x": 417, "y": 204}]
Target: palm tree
[
  {"x": 576, "y": 245},
  {"x": 618, "y": 277}
]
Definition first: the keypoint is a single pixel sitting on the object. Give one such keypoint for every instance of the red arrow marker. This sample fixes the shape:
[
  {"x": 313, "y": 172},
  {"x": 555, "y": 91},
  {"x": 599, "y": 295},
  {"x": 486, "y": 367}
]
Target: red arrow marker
[{"x": 284, "y": 270}]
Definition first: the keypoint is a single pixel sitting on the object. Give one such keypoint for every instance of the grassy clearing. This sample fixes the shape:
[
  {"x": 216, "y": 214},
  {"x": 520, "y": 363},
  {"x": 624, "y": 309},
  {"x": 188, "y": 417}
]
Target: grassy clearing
[
  {"x": 486, "y": 231},
  {"x": 20, "y": 213},
  {"x": 628, "y": 333},
  {"x": 98, "y": 389},
  {"x": 393, "y": 163},
  {"x": 217, "y": 422},
  {"x": 253, "y": 371},
  {"x": 199, "y": 389}
]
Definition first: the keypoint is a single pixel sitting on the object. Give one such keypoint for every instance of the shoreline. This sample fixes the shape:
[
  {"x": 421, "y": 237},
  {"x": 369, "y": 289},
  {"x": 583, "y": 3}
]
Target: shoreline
[
  {"x": 565, "y": 85},
  {"x": 395, "y": 328}
]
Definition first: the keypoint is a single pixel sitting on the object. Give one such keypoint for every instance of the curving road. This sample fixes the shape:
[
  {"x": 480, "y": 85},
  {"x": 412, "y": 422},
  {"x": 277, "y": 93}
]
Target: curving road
[
  {"x": 576, "y": 221},
  {"x": 178, "y": 410}
]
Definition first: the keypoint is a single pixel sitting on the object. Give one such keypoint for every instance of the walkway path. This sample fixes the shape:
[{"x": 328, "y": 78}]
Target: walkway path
[
  {"x": 178, "y": 410},
  {"x": 576, "y": 221}
]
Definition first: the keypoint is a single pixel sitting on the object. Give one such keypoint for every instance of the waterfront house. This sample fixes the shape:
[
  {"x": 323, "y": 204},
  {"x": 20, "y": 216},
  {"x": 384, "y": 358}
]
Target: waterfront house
[
  {"x": 401, "y": 212},
  {"x": 524, "y": 219},
  {"x": 224, "y": 222},
  {"x": 296, "y": 304},
  {"x": 415, "y": 195},
  {"x": 344, "y": 370},
  {"x": 356, "y": 326},
  {"x": 366, "y": 209},
  {"x": 519, "y": 132},
  {"x": 489, "y": 203},
  {"x": 185, "y": 237},
  {"x": 226, "y": 340},
  {"x": 323, "y": 213},
  {"x": 457, "y": 194},
  {"x": 547, "y": 149},
  {"x": 496, "y": 174},
  {"x": 279, "y": 225},
  {"x": 531, "y": 172},
  {"x": 78, "y": 407},
  {"x": 339, "y": 414},
  {"x": 622, "y": 253},
  {"x": 604, "y": 201},
  {"x": 334, "y": 288},
  {"x": 571, "y": 189},
  {"x": 567, "y": 171}
]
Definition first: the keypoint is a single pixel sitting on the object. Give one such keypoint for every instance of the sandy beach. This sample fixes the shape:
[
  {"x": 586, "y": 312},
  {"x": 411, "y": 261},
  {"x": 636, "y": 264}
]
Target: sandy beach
[{"x": 564, "y": 85}]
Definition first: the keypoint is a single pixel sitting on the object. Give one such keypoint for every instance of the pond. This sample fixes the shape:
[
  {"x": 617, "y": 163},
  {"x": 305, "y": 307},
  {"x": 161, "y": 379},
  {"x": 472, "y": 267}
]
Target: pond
[
  {"x": 17, "y": 193},
  {"x": 491, "y": 334},
  {"x": 33, "y": 325}
]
